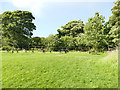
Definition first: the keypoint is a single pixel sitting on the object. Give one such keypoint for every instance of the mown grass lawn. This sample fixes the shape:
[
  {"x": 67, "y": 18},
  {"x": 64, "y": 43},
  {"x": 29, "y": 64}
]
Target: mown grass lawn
[{"x": 59, "y": 70}]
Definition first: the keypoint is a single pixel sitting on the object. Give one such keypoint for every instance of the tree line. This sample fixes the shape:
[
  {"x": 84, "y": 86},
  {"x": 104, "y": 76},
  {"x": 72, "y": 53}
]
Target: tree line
[{"x": 95, "y": 35}]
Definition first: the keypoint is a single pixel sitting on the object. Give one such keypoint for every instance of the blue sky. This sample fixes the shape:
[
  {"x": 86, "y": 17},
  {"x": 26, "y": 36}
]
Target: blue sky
[{"x": 50, "y": 16}]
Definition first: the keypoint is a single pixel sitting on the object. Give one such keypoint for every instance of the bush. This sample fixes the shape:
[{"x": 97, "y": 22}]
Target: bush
[
  {"x": 7, "y": 48},
  {"x": 4, "y": 47},
  {"x": 32, "y": 48},
  {"x": 18, "y": 49}
]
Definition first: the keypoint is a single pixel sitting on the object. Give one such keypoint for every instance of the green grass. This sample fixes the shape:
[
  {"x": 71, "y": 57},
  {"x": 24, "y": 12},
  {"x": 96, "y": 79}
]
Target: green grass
[
  {"x": 59, "y": 70},
  {"x": 0, "y": 71}
]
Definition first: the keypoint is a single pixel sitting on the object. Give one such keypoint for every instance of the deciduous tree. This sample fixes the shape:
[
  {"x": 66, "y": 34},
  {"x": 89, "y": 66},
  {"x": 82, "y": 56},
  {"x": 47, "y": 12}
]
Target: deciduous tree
[
  {"x": 114, "y": 21},
  {"x": 17, "y": 27},
  {"x": 72, "y": 28},
  {"x": 94, "y": 31}
]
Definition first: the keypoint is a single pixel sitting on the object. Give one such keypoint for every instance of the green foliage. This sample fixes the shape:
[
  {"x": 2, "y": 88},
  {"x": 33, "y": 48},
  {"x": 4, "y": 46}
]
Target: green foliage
[
  {"x": 55, "y": 70},
  {"x": 94, "y": 32},
  {"x": 0, "y": 31},
  {"x": 67, "y": 42},
  {"x": 43, "y": 42},
  {"x": 17, "y": 27},
  {"x": 32, "y": 49},
  {"x": 114, "y": 21},
  {"x": 81, "y": 42},
  {"x": 71, "y": 28},
  {"x": 51, "y": 42},
  {"x": 36, "y": 42},
  {"x": 18, "y": 49},
  {"x": 7, "y": 48}
]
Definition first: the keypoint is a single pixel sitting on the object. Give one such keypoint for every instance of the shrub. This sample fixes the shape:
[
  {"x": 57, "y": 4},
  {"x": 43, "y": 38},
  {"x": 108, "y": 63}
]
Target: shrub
[
  {"x": 7, "y": 48},
  {"x": 32, "y": 48}
]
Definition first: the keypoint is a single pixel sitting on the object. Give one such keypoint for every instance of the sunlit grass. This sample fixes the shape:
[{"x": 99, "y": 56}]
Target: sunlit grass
[{"x": 59, "y": 70}]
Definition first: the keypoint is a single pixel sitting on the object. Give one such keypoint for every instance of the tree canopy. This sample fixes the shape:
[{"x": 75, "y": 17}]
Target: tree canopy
[
  {"x": 72, "y": 28},
  {"x": 95, "y": 34},
  {"x": 114, "y": 22},
  {"x": 94, "y": 31},
  {"x": 17, "y": 27}
]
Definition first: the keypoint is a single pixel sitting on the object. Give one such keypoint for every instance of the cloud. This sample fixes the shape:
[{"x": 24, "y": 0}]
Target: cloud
[
  {"x": 33, "y": 1},
  {"x": 36, "y": 6},
  {"x": 79, "y": 0}
]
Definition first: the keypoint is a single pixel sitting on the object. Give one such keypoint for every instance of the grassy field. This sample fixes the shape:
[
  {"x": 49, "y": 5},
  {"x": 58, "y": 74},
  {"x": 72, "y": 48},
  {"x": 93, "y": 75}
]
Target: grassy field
[{"x": 59, "y": 70}]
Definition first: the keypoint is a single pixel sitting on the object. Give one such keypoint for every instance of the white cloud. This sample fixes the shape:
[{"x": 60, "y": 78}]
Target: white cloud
[
  {"x": 36, "y": 6},
  {"x": 23, "y": 1},
  {"x": 27, "y": 3},
  {"x": 79, "y": 0},
  {"x": 4, "y": 0}
]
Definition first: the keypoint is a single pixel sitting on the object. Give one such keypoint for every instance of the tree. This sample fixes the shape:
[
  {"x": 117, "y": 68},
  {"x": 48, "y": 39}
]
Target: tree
[
  {"x": 94, "y": 32},
  {"x": 36, "y": 42},
  {"x": 67, "y": 42},
  {"x": 17, "y": 27},
  {"x": 81, "y": 42},
  {"x": 72, "y": 28},
  {"x": 114, "y": 22},
  {"x": 51, "y": 42},
  {"x": 43, "y": 42},
  {"x": 0, "y": 31}
]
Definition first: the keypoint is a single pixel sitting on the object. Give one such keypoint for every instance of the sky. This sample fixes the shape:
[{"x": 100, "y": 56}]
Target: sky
[{"x": 50, "y": 15}]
